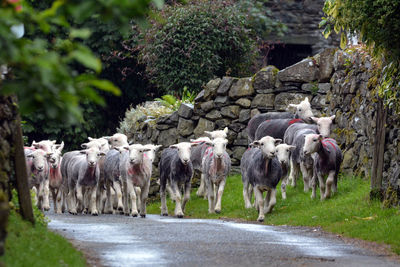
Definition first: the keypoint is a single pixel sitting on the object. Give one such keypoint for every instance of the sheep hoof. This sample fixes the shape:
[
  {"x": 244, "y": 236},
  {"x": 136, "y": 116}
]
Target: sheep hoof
[
  {"x": 47, "y": 208},
  {"x": 143, "y": 215},
  {"x": 164, "y": 214},
  {"x": 134, "y": 214},
  {"x": 218, "y": 211},
  {"x": 180, "y": 215},
  {"x": 95, "y": 214},
  {"x": 260, "y": 219},
  {"x": 120, "y": 209}
]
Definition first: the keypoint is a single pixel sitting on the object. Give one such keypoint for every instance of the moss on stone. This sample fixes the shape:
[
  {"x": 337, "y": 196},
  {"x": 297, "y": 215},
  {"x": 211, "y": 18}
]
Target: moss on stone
[{"x": 391, "y": 198}]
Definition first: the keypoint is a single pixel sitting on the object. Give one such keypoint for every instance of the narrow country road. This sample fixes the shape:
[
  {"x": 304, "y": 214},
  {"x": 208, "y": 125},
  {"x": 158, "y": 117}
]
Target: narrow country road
[{"x": 166, "y": 241}]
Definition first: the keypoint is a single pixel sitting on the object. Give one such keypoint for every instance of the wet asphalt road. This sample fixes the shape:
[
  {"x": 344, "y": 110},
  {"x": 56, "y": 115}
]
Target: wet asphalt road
[{"x": 118, "y": 240}]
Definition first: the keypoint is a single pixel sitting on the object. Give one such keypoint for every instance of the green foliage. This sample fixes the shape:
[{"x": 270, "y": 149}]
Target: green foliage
[
  {"x": 349, "y": 212},
  {"x": 191, "y": 44},
  {"x": 174, "y": 103},
  {"x": 51, "y": 68}
]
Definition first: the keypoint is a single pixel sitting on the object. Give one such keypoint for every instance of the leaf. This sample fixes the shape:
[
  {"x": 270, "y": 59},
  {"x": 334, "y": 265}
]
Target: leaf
[
  {"x": 87, "y": 59},
  {"x": 343, "y": 40},
  {"x": 80, "y": 33},
  {"x": 105, "y": 85},
  {"x": 158, "y": 3}
]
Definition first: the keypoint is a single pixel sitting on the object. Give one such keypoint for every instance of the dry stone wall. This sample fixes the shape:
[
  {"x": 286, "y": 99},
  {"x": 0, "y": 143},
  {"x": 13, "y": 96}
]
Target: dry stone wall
[{"x": 336, "y": 82}]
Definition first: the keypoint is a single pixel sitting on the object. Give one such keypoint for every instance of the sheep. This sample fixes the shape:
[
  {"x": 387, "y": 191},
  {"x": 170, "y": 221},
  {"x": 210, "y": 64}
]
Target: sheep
[
  {"x": 294, "y": 135},
  {"x": 218, "y": 133},
  {"x": 261, "y": 170},
  {"x": 327, "y": 160},
  {"x": 55, "y": 178},
  {"x": 216, "y": 166},
  {"x": 135, "y": 168},
  {"x": 176, "y": 167},
  {"x": 303, "y": 111},
  {"x": 38, "y": 171},
  {"x": 83, "y": 173},
  {"x": 112, "y": 173},
  {"x": 275, "y": 128},
  {"x": 283, "y": 155}
]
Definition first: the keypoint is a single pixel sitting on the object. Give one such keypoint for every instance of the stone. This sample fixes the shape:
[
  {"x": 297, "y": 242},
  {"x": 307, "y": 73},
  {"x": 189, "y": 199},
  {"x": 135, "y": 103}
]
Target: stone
[
  {"x": 221, "y": 124},
  {"x": 325, "y": 62},
  {"x": 244, "y": 115},
  {"x": 210, "y": 90},
  {"x": 199, "y": 97},
  {"x": 221, "y": 101},
  {"x": 230, "y": 112},
  {"x": 303, "y": 71},
  {"x": 349, "y": 159},
  {"x": 241, "y": 87},
  {"x": 263, "y": 101},
  {"x": 320, "y": 88},
  {"x": 214, "y": 115},
  {"x": 238, "y": 152},
  {"x": 185, "y": 127},
  {"x": 174, "y": 116},
  {"x": 283, "y": 100},
  {"x": 265, "y": 79},
  {"x": 168, "y": 137},
  {"x": 242, "y": 139},
  {"x": 243, "y": 102},
  {"x": 318, "y": 101},
  {"x": 254, "y": 112},
  {"x": 207, "y": 106},
  {"x": 197, "y": 110},
  {"x": 163, "y": 126},
  {"x": 185, "y": 110},
  {"x": 203, "y": 125},
  {"x": 340, "y": 59},
  {"x": 237, "y": 126},
  {"x": 225, "y": 85}
]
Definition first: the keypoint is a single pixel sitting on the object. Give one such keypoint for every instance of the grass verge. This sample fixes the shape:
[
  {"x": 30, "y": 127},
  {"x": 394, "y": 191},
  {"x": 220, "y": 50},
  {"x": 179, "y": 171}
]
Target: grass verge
[
  {"x": 349, "y": 212},
  {"x": 28, "y": 245}
]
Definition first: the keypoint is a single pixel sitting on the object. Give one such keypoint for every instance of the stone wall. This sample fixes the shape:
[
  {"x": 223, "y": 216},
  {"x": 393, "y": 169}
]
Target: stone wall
[
  {"x": 336, "y": 82},
  {"x": 7, "y": 118},
  {"x": 302, "y": 17}
]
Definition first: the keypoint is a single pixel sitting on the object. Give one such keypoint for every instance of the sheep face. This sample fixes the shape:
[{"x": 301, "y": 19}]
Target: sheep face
[
  {"x": 324, "y": 124},
  {"x": 136, "y": 152},
  {"x": 92, "y": 156},
  {"x": 117, "y": 140},
  {"x": 267, "y": 144},
  {"x": 200, "y": 139},
  {"x": 39, "y": 159},
  {"x": 303, "y": 110},
  {"x": 219, "y": 146},
  {"x": 218, "y": 134},
  {"x": 311, "y": 143},
  {"x": 151, "y": 154},
  {"x": 45, "y": 145},
  {"x": 184, "y": 151},
  {"x": 283, "y": 152},
  {"x": 55, "y": 157}
]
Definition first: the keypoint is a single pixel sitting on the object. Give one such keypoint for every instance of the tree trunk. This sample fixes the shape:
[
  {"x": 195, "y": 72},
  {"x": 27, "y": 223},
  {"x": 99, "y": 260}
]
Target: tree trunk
[{"x": 379, "y": 149}]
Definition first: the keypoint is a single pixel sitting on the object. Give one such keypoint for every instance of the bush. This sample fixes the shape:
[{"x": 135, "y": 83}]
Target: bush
[{"x": 191, "y": 44}]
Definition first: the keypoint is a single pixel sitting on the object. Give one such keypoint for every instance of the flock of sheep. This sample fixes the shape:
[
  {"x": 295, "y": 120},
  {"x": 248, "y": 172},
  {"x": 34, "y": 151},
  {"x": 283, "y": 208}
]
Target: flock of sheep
[{"x": 110, "y": 175}]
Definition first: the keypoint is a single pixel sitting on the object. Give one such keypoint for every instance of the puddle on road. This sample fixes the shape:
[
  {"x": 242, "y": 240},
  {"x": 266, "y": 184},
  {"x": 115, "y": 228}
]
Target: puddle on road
[{"x": 133, "y": 256}]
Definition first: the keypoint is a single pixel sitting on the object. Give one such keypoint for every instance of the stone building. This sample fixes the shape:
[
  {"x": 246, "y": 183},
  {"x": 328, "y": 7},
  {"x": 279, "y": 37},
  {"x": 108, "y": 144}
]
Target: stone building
[{"x": 304, "y": 37}]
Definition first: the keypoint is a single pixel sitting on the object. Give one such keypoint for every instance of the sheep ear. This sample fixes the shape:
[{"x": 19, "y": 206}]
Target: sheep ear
[
  {"x": 90, "y": 138},
  {"x": 146, "y": 149},
  {"x": 102, "y": 154},
  {"x": 84, "y": 145},
  {"x": 315, "y": 119},
  {"x": 194, "y": 144},
  {"x": 278, "y": 141},
  {"x": 291, "y": 148},
  {"x": 54, "y": 141},
  {"x": 226, "y": 130},
  {"x": 173, "y": 146},
  {"x": 333, "y": 117},
  {"x": 306, "y": 99},
  {"x": 82, "y": 151},
  {"x": 158, "y": 147},
  {"x": 292, "y": 106},
  {"x": 207, "y": 132},
  {"x": 255, "y": 144},
  {"x": 30, "y": 156},
  {"x": 35, "y": 145}
]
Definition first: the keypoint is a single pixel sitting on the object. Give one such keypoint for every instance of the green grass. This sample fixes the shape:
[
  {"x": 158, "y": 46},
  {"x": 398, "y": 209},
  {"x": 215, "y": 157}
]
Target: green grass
[
  {"x": 349, "y": 212},
  {"x": 28, "y": 245}
]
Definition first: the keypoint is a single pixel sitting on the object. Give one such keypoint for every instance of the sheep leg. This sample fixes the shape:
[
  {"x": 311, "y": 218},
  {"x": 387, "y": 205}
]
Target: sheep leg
[
  {"x": 305, "y": 175},
  {"x": 108, "y": 209},
  {"x": 267, "y": 198},
  {"x": 164, "y": 208},
  {"x": 178, "y": 200},
  {"x": 59, "y": 202},
  {"x": 247, "y": 203},
  {"x": 40, "y": 197},
  {"x": 210, "y": 194},
  {"x": 329, "y": 183},
  {"x": 170, "y": 192},
  {"x": 219, "y": 196},
  {"x": 86, "y": 200},
  {"x": 202, "y": 190},
  {"x": 46, "y": 195},
  {"x": 126, "y": 197},
  {"x": 260, "y": 203},
  {"x": 93, "y": 197},
  {"x": 321, "y": 185},
  {"x": 79, "y": 196},
  {"x": 143, "y": 199},
  {"x": 271, "y": 200},
  {"x": 283, "y": 186},
  {"x": 138, "y": 192},
  {"x": 117, "y": 187},
  {"x": 54, "y": 197},
  {"x": 314, "y": 186},
  {"x": 71, "y": 200},
  {"x": 132, "y": 198},
  {"x": 186, "y": 197},
  {"x": 294, "y": 170},
  {"x": 35, "y": 195}
]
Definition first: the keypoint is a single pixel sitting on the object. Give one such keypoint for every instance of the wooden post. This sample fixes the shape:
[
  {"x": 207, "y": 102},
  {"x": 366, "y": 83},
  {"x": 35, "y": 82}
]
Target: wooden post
[
  {"x": 379, "y": 150},
  {"x": 21, "y": 174}
]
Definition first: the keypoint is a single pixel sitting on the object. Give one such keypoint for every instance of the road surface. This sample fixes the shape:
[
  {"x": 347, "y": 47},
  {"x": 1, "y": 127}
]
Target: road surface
[{"x": 117, "y": 240}]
